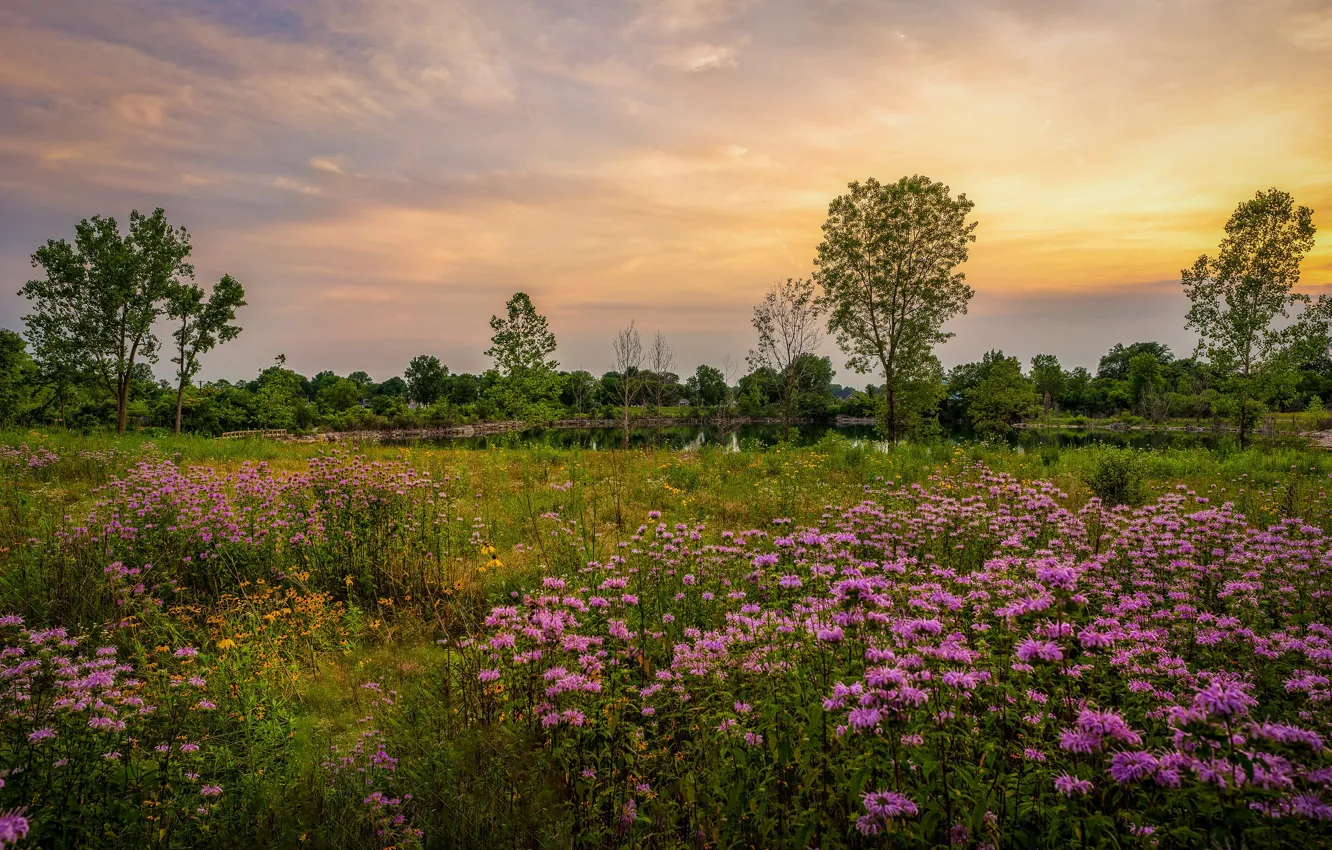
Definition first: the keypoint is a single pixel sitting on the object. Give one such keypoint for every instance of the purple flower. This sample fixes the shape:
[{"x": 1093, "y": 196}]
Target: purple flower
[
  {"x": 889, "y": 804},
  {"x": 1132, "y": 766},
  {"x": 211, "y": 790},
  {"x": 1070, "y": 785},
  {"x": 864, "y": 718},
  {"x": 13, "y": 826},
  {"x": 1223, "y": 699},
  {"x": 1038, "y": 650}
]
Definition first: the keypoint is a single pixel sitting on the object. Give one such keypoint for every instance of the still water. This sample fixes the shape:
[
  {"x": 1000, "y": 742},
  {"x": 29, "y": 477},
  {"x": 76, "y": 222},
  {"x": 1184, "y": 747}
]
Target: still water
[{"x": 693, "y": 437}]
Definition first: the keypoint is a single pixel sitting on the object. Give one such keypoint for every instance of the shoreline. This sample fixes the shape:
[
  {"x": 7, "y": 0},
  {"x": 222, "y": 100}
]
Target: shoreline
[{"x": 487, "y": 429}]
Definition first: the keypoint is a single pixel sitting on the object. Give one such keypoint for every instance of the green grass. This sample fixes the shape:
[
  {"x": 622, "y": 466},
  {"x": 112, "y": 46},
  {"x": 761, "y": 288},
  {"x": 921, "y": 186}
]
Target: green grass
[{"x": 291, "y": 687}]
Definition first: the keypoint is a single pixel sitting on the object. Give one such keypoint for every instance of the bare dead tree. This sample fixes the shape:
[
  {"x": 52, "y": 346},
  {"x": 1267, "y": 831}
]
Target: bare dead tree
[
  {"x": 789, "y": 331},
  {"x": 661, "y": 360},
  {"x": 730, "y": 369},
  {"x": 628, "y": 360}
]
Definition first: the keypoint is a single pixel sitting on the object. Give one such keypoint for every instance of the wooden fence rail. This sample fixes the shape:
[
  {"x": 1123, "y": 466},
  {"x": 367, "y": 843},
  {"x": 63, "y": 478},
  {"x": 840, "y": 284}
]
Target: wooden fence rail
[{"x": 271, "y": 432}]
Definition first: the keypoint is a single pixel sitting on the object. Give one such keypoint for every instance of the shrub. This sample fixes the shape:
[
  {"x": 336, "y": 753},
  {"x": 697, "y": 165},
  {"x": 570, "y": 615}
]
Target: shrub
[{"x": 1115, "y": 476}]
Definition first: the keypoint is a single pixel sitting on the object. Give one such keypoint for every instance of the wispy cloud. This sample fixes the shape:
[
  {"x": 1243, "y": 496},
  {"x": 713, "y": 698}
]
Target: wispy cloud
[{"x": 384, "y": 173}]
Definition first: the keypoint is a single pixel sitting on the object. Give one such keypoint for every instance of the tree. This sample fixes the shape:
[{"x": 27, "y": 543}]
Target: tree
[
  {"x": 427, "y": 379},
  {"x": 1001, "y": 397},
  {"x": 394, "y": 387},
  {"x": 814, "y": 397},
  {"x": 529, "y": 386},
  {"x": 13, "y": 360},
  {"x": 707, "y": 386},
  {"x": 96, "y": 307},
  {"x": 787, "y": 322},
  {"x": 522, "y": 341},
  {"x": 915, "y": 411},
  {"x": 1147, "y": 383},
  {"x": 1048, "y": 377},
  {"x": 660, "y": 362},
  {"x": 579, "y": 389},
  {"x": 204, "y": 324},
  {"x": 342, "y": 394},
  {"x": 886, "y": 267},
  {"x": 279, "y": 402},
  {"x": 628, "y": 348},
  {"x": 1236, "y": 296},
  {"x": 1115, "y": 364}
]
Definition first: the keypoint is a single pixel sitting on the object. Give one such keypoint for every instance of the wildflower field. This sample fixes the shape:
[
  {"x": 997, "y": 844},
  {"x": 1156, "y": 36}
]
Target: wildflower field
[{"x": 253, "y": 645}]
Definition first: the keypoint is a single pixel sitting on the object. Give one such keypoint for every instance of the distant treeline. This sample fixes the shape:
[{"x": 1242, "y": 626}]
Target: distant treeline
[
  {"x": 885, "y": 283},
  {"x": 1141, "y": 381}
]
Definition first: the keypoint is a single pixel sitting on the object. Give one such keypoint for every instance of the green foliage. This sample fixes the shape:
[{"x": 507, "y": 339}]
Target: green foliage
[
  {"x": 1048, "y": 378},
  {"x": 522, "y": 340},
  {"x": 1315, "y": 414},
  {"x": 204, "y": 324},
  {"x": 340, "y": 395},
  {"x": 1000, "y": 395},
  {"x": 706, "y": 387},
  {"x": 1114, "y": 475},
  {"x": 94, "y": 311},
  {"x": 914, "y": 411},
  {"x": 14, "y": 361},
  {"x": 1236, "y": 297},
  {"x": 427, "y": 379}
]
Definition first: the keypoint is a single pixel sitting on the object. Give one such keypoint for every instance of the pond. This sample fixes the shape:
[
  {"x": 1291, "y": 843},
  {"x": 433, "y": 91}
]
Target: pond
[{"x": 693, "y": 437}]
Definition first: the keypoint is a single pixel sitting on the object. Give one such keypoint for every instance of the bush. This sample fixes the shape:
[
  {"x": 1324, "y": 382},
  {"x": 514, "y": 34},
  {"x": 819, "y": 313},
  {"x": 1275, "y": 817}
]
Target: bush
[{"x": 1115, "y": 476}]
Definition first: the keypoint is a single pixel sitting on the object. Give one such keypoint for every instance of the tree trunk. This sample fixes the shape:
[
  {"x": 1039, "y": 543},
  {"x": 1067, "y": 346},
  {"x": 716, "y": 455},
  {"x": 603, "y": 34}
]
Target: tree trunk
[
  {"x": 122, "y": 404},
  {"x": 892, "y": 413},
  {"x": 1244, "y": 419},
  {"x": 180, "y": 395},
  {"x": 786, "y": 419}
]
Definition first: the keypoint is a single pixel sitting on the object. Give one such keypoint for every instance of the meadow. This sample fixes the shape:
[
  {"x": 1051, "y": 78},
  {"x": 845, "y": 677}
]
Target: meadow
[{"x": 244, "y": 643}]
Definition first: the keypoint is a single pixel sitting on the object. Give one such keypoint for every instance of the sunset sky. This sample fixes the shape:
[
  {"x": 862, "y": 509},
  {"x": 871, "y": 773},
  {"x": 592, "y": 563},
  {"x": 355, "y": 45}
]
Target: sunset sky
[{"x": 383, "y": 174}]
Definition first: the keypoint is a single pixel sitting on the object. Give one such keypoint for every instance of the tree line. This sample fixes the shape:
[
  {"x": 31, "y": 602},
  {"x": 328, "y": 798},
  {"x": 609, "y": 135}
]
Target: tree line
[{"x": 885, "y": 281}]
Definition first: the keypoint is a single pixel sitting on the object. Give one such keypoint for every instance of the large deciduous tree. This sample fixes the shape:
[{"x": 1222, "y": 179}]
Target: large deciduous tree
[
  {"x": 522, "y": 340},
  {"x": 95, "y": 309},
  {"x": 1237, "y": 296},
  {"x": 528, "y": 385},
  {"x": 787, "y": 322},
  {"x": 427, "y": 379},
  {"x": 204, "y": 323},
  {"x": 887, "y": 268}
]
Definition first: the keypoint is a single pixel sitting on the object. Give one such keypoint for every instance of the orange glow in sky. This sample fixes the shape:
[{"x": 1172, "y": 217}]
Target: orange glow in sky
[{"x": 383, "y": 174}]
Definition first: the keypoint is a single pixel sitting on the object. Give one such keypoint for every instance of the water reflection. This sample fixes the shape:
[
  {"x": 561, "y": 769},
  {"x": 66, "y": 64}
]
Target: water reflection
[{"x": 696, "y": 437}]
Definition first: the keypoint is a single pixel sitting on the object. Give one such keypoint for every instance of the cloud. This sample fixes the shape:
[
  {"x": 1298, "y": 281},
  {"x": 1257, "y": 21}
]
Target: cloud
[
  {"x": 330, "y": 164},
  {"x": 664, "y": 160},
  {"x": 1310, "y": 30},
  {"x": 295, "y": 186},
  {"x": 700, "y": 57}
]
